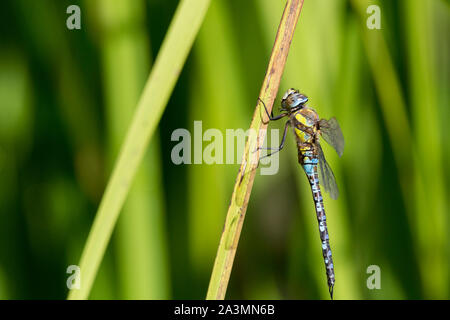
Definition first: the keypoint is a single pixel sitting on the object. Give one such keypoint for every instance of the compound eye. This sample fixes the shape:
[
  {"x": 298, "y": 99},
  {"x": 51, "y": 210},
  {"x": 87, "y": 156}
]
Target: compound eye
[
  {"x": 286, "y": 94},
  {"x": 303, "y": 98},
  {"x": 289, "y": 92}
]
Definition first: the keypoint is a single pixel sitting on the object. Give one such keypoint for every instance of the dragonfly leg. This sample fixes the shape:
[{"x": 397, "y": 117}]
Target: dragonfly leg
[
  {"x": 281, "y": 144},
  {"x": 271, "y": 117}
]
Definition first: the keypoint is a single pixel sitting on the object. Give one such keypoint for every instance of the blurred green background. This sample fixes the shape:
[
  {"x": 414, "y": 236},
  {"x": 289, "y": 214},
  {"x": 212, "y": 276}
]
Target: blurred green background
[{"x": 67, "y": 98}]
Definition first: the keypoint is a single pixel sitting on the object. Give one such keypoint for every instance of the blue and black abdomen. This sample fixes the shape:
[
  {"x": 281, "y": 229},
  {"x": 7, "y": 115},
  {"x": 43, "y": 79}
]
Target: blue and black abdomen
[{"x": 310, "y": 165}]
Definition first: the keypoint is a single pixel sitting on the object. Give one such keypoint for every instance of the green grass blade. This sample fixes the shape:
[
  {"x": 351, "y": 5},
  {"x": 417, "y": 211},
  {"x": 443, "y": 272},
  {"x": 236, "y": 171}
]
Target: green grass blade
[
  {"x": 162, "y": 79},
  {"x": 395, "y": 116},
  {"x": 430, "y": 224},
  {"x": 142, "y": 272}
]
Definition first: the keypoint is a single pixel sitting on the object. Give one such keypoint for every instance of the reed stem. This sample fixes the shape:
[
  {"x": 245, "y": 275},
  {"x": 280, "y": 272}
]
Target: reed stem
[{"x": 244, "y": 181}]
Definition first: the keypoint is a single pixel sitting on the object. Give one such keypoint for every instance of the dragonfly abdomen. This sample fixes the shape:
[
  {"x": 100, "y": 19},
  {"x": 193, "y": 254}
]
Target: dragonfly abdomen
[{"x": 310, "y": 165}]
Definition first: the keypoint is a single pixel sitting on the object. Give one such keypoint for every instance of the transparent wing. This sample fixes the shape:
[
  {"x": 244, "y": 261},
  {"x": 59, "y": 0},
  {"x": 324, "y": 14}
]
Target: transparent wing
[
  {"x": 331, "y": 132},
  {"x": 326, "y": 176}
]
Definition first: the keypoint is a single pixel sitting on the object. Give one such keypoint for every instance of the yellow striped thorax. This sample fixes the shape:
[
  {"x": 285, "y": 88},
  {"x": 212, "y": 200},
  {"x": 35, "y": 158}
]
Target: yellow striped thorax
[{"x": 308, "y": 118}]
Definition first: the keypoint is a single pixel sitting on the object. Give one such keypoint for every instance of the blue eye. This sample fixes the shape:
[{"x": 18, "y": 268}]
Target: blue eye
[
  {"x": 299, "y": 99},
  {"x": 303, "y": 99}
]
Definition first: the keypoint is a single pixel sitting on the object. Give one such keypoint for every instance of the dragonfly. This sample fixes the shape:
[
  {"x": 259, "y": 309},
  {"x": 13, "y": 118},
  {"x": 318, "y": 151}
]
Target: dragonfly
[{"x": 308, "y": 128}]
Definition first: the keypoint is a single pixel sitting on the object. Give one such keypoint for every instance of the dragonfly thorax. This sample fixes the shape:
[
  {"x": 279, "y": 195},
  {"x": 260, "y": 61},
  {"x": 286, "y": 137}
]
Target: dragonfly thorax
[
  {"x": 304, "y": 122},
  {"x": 293, "y": 100}
]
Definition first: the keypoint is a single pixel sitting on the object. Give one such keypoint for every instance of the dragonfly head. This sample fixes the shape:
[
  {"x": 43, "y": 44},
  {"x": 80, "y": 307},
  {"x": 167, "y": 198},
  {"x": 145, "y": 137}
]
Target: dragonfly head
[{"x": 293, "y": 99}]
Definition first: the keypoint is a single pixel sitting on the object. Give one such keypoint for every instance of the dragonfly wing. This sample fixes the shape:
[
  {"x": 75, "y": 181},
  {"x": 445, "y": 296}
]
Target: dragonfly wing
[
  {"x": 331, "y": 132},
  {"x": 326, "y": 176}
]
